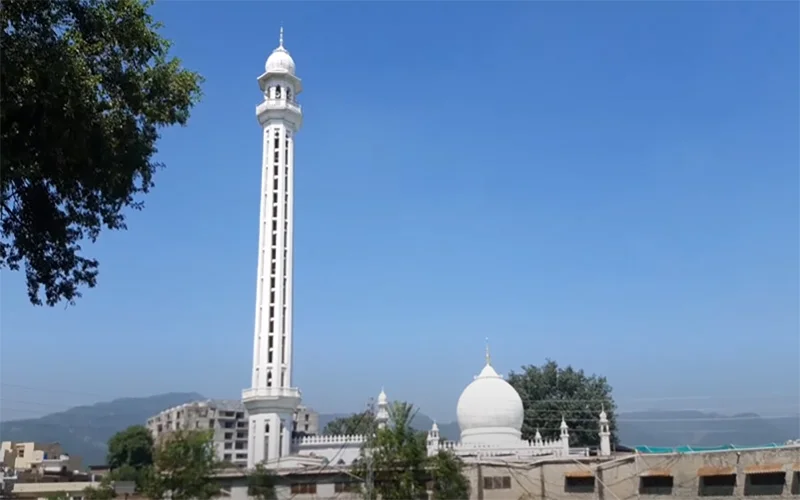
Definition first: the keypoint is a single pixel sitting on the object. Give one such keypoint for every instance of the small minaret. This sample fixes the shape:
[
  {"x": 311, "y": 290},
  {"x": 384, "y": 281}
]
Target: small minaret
[
  {"x": 433, "y": 439},
  {"x": 382, "y": 415},
  {"x": 271, "y": 400},
  {"x": 537, "y": 439},
  {"x": 564, "y": 437},
  {"x": 605, "y": 434}
]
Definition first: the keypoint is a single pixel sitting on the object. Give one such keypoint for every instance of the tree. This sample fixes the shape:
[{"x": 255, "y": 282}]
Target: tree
[
  {"x": 102, "y": 492},
  {"x": 355, "y": 424},
  {"x": 183, "y": 468},
  {"x": 401, "y": 464},
  {"x": 550, "y": 392},
  {"x": 85, "y": 87},
  {"x": 261, "y": 484},
  {"x": 447, "y": 475},
  {"x": 132, "y": 447}
]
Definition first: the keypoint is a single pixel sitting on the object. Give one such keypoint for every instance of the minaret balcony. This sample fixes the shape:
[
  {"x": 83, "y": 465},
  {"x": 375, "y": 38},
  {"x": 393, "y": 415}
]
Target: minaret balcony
[
  {"x": 270, "y": 398},
  {"x": 279, "y": 104}
]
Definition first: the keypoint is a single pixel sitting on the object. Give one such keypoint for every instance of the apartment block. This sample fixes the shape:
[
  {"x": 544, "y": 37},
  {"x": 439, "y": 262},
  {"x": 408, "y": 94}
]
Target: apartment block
[{"x": 229, "y": 422}]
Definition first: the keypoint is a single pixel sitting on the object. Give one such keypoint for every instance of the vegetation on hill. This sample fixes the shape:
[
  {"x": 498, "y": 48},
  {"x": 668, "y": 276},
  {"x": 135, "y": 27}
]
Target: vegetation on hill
[
  {"x": 550, "y": 392},
  {"x": 84, "y": 431},
  {"x": 85, "y": 87}
]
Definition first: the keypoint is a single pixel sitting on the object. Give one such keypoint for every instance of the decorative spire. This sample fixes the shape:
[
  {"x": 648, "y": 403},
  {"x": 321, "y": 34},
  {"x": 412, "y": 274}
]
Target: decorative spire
[
  {"x": 488, "y": 356},
  {"x": 280, "y": 39}
]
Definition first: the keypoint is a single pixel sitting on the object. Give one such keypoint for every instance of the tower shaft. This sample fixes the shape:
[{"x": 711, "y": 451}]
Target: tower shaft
[{"x": 271, "y": 400}]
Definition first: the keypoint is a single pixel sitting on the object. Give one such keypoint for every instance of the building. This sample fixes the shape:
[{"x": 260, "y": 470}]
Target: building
[
  {"x": 490, "y": 411},
  {"x": 228, "y": 421},
  {"x": 37, "y": 457}
]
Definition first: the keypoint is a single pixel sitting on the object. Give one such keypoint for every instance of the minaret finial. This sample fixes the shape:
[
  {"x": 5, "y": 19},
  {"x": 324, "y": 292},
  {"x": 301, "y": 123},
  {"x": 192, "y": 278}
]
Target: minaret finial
[
  {"x": 280, "y": 39},
  {"x": 488, "y": 356}
]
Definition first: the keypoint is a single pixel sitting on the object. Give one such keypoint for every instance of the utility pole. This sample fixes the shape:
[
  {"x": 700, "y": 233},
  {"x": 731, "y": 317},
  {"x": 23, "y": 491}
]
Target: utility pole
[{"x": 369, "y": 481}]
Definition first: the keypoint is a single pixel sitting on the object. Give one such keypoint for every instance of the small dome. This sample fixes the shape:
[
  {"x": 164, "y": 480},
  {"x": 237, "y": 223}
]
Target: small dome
[
  {"x": 489, "y": 410},
  {"x": 280, "y": 61}
]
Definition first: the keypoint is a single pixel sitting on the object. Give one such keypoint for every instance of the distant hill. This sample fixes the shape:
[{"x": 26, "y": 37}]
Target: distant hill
[
  {"x": 668, "y": 428},
  {"x": 85, "y": 430}
]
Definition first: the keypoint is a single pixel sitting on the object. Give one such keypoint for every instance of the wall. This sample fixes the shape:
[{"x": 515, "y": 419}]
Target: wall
[{"x": 619, "y": 478}]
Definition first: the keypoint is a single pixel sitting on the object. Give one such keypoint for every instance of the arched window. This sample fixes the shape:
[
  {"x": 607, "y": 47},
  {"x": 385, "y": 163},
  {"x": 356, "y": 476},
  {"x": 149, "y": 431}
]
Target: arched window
[
  {"x": 288, "y": 94},
  {"x": 278, "y": 92}
]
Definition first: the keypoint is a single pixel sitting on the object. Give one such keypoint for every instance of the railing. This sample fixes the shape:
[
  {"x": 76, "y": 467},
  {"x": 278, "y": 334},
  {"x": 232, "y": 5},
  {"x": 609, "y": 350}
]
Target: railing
[
  {"x": 281, "y": 104},
  {"x": 324, "y": 440},
  {"x": 271, "y": 392}
]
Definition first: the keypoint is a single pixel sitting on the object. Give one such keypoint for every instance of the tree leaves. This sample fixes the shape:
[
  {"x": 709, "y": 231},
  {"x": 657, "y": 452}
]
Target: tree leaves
[
  {"x": 184, "y": 464},
  {"x": 85, "y": 87},
  {"x": 401, "y": 464},
  {"x": 550, "y": 392}
]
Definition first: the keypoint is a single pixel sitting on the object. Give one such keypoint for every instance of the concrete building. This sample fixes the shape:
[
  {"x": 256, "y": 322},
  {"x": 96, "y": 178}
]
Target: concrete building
[
  {"x": 229, "y": 422},
  {"x": 37, "y": 457}
]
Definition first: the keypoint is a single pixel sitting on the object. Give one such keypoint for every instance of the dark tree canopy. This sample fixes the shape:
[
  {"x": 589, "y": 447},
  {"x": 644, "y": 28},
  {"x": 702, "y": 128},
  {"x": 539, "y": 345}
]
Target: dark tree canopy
[
  {"x": 85, "y": 87},
  {"x": 132, "y": 447},
  {"x": 355, "y": 424},
  {"x": 549, "y": 392}
]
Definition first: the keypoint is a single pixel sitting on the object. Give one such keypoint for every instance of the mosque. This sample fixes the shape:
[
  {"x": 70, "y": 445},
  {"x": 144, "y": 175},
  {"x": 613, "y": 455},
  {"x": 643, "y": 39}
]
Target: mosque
[{"x": 490, "y": 411}]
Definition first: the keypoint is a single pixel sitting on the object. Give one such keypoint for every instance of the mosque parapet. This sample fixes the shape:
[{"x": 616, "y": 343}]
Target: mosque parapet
[{"x": 329, "y": 440}]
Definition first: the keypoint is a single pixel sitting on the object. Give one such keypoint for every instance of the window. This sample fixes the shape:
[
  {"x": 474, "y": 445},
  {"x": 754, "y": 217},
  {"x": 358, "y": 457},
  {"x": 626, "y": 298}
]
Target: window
[
  {"x": 211, "y": 423},
  {"x": 656, "y": 485},
  {"x": 306, "y": 417},
  {"x": 227, "y": 457},
  {"x": 228, "y": 435},
  {"x": 579, "y": 484},
  {"x": 497, "y": 482},
  {"x": 346, "y": 487},
  {"x": 274, "y": 212},
  {"x": 228, "y": 425},
  {"x": 717, "y": 486},
  {"x": 21, "y": 452},
  {"x": 240, "y": 415},
  {"x": 304, "y": 488},
  {"x": 275, "y": 187},
  {"x": 765, "y": 484},
  {"x": 241, "y": 456},
  {"x": 241, "y": 435},
  {"x": 228, "y": 446},
  {"x": 241, "y": 445}
]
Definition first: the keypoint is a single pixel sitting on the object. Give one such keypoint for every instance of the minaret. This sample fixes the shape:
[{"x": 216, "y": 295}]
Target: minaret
[
  {"x": 382, "y": 417},
  {"x": 605, "y": 434},
  {"x": 271, "y": 400}
]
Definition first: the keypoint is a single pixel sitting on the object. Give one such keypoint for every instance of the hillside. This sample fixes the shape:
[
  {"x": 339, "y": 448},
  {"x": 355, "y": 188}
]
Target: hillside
[{"x": 84, "y": 430}]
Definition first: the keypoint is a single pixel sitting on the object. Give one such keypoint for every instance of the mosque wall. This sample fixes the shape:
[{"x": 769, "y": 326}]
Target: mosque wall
[{"x": 766, "y": 473}]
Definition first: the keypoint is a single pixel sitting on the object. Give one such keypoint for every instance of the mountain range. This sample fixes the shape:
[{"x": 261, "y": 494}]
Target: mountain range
[{"x": 85, "y": 430}]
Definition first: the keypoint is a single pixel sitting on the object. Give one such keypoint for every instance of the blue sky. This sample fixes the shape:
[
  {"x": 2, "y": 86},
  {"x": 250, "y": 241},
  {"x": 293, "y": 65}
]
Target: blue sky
[{"x": 611, "y": 185}]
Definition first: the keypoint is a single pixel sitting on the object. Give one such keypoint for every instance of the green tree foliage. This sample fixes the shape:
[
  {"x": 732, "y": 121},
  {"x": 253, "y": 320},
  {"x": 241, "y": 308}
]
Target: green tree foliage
[
  {"x": 183, "y": 468},
  {"x": 85, "y": 87},
  {"x": 549, "y": 392},
  {"x": 447, "y": 475},
  {"x": 103, "y": 492},
  {"x": 132, "y": 448},
  {"x": 357, "y": 423},
  {"x": 261, "y": 484},
  {"x": 401, "y": 466}
]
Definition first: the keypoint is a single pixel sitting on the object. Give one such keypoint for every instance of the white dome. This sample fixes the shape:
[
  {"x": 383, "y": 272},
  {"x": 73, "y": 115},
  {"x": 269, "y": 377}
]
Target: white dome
[
  {"x": 490, "y": 410},
  {"x": 280, "y": 61}
]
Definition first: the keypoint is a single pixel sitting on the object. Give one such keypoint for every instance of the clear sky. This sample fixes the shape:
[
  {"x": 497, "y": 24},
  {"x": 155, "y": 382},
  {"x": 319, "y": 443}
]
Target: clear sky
[{"x": 611, "y": 185}]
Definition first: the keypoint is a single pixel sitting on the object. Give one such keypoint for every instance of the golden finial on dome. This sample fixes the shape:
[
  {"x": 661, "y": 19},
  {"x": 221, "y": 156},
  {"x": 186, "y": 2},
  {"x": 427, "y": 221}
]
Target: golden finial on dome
[{"x": 488, "y": 356}]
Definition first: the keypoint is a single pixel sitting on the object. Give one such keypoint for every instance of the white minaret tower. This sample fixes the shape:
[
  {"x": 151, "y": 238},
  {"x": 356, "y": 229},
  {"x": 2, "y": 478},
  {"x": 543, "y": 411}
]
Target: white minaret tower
[{"x": 271, "y": 400}]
